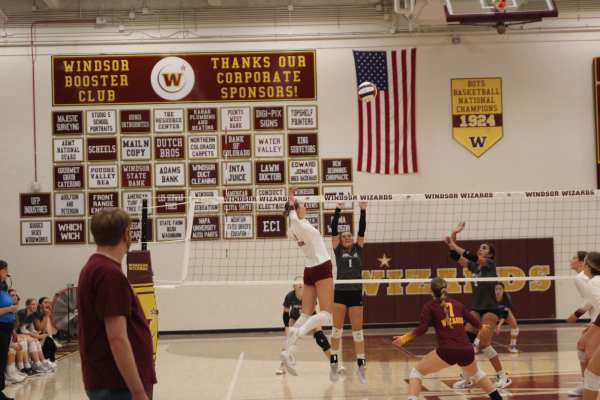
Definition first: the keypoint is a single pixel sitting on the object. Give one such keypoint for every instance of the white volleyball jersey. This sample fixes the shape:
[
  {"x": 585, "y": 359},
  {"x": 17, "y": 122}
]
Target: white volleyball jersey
[
  {"x": 309, "y": 239},
  {"x": 593, "y": 289},
  {"x": 581, "y": 282}
]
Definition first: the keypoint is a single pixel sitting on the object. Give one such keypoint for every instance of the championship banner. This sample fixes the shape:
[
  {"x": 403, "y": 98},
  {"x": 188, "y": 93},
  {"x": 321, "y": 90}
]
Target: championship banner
[
  {"x": 184, "y": 78},
  {"x": 477, "y": 113}
]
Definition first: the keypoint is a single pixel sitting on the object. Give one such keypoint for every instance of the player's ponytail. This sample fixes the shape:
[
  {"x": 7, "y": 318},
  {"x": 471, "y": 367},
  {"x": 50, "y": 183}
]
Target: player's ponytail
[
  {"x": 593, "y": 261},
  {"x": 440, "y": 291},
  {"x": 286, "y": 212}
]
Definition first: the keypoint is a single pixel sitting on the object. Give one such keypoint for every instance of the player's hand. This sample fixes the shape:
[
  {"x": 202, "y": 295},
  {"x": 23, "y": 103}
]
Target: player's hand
[
  {"x": 292, "y": 194},
  {"x": 43, "y": 336},
  {"x": 340, "y": 205},
  {"x": 498, "y": 330},
  {"x": 398, "y": 342},
  {"x": 363, "y": 205},
  {"x": 485, "y": 330},
  {"x": 448, "y": 240},
  {"x": 139, "y": 396},
  {"x": 572, "y": 318},
  {"x": 582, "y": 342},
  {"x": 586, "y": 328},
  {"x": 459, "y": 227},
  {"x": 13, "y": 308}
]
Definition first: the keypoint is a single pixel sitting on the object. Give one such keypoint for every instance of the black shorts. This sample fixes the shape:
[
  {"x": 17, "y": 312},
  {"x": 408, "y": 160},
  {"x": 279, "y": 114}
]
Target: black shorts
[
  {"x": 495, "y": 311},
  {"x": 462, "y": 357},
  {"x": 349, "y": 298}
]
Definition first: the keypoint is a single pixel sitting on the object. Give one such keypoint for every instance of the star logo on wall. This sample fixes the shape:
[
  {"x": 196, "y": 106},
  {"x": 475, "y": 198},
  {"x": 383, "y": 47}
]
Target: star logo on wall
[
  {"x": 183, "y": 67},
  {"x": 384, "y": 261},
  {"x": 153, "y": 311}
]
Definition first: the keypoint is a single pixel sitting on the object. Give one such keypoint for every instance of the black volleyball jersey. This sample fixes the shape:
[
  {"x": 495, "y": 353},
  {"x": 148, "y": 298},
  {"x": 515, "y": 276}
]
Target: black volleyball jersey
[
  {"x": 295, "y": 305},
  {"x": 349, "y": 266},
  {"x": 484, "y": 293}
]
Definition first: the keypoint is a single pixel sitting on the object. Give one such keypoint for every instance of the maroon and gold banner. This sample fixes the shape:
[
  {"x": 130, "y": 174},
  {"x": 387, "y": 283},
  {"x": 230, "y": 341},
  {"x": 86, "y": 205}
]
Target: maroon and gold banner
[{"x": 184, "y": 78}]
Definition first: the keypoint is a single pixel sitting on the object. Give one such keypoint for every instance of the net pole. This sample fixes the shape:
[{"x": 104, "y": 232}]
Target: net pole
[
  {"x": 144, "y": 233},
  {"x": 188, "y": 237}
]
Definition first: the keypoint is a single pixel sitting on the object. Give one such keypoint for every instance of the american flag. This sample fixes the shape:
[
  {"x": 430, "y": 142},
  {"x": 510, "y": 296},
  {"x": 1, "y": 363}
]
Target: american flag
[{"x": 386, "y": 136}]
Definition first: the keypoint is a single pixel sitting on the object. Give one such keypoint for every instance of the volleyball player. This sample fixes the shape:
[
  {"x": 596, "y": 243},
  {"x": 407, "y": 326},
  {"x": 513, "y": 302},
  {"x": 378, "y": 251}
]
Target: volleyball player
[
  {"x": 348, "y": 297},
  {"x": 505, "y": 311},
  {"x": 447, "y": 317},
  {"x": 318, "y": 279},
  {"x": 292, "y": 308},
  {"x": 485, "y": 306}
]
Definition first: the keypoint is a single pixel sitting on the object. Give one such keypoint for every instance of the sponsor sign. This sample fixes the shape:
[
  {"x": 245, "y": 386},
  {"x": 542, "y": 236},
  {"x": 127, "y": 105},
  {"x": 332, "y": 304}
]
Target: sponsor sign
[
  {"x": 309, "y": 191},
  {"x": 68, "y": 150},
  {"x": 101, "y": 121},
  {"x": 172, "y": 228},
  {"x": 205, "y": 207},
  {"x": 314, "y": 220},
  {"x": 477, "y": 117},
  {"x": 169, "y": 148},
  {"x": 170, "y": 202},
  {"x": 136, "y": 148},
  {"x": 304, "y": 171},
  {"x": 271, "y": 226},
  {"x": 136, "y": 176},
  {"x": 336, "y": 170},
  {"x": 232, "y": 195},
  {"x": 132, "y": 201},
  {"x": 203, "y": 174},
  {"x": 303, "y": 145},
  {"x": 337, "y": 191},
  {"x": 36, "y": 232},
  {"x": 100, "y": 200},
  {"x": 136, "y": 230},
  {"x": 269, "y": 145},
  {"x": 102, "y": 149},
  {"x": 170, "y": 174},
  {"x": 187, "y": 77},
  {"x": 69, "y": 177},
  {"x": 169, "y": 120},
  {"x": 135, "y": 121},
  {"x": 269, "y": 172},
  {"x": 206, "y": 228},
  {"x": 238, "y": 226},
  {"x": 237, "y": 173},
  {"x": 103, "y": 176},
  {"x": 302, "y": 117},
  {"x": 236, "y": 146},
  {"x": 71, "y": 231},
  {"x": 203, "y": 147},
  {"x": 202, "y": 119},
  {"x": 268, "y": 118},
  {"x": 235, "y": 119},
  {"x": 277, "y": 195},
  {"x": 69, "y": 204},
  {"x": 345, "y": 223},
  {"x": 35, "y": 205},
  {"x": 67, "y": 122}
]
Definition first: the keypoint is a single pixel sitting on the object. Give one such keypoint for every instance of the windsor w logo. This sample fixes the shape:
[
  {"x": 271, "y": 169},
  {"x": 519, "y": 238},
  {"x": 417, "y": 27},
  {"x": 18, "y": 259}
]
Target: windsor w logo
[
  {"x": 172, "y": 78},
  {"x": 477, "y": 141}
]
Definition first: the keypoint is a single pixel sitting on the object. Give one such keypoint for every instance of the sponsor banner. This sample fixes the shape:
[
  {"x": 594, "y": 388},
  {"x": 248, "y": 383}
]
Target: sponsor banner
[
  {"x": 304, "y": 171},
  {"x": 169, "y": 120},
  {"x": 169, "y": 148},
  {"x": 402, "y": 302},
  {"x": 69, "y": 177},
  {"x": 266, "y": 145},
  {"x": 172, "y": 228},
  {"x": 231, "y": 196},
  {"x": 100, "y": 200},
  {"x": 235, "y": 119},
  {"x": 132, "y": 201},
  {"x": 269, "y": 172},
  {"x": 315, "y": 220},
  {"x": 206, "y": 228},
  {"x": 302, "y": 117},
  {"x": 67, "y": 122},
  {"x": 170, "y": 202},
  {"x": 36, "y": 232},
  {"x": 102, "y": 149},
  {"x": 345, "y": 223},
  {"x": 309, "y": 192},
  {"x": 203, "y": 174},
  {"x": 70, "y": 231},
  {"x": 205, "y": 207},
  {"x": 203, "y": 147},
  {"x": 135, "y": 121},
  {"x": 271, "y": 226},
  {"x": 237, "y": 173},
  {"x": 69, "y": 204},
  {"x": 184, "y": 78},
  {"x": 338, "y": 191},
  {"x": 238, "y": 227},
  {"x": 136, "y": 148},
  {"x": 136, "y": 176},
  {"x": 268, "y": 118},
  {"x": 101, "y": 121},
  {"x": 136, "y": 230},
  {"x": 276, "y": 196},
  {"x": 35, "y": 205},
  {"x": 68, "y": 150},
  {"x": 477, "y": 117},
  {"x": 336, "y": 169},
  {"x": 170, "y": 174},
  {"x": 236, "y": 146},
  {"x": 202, "y": 119},
  {"x": 104, "y": 176},
  {"x": 303, "y": 145}
]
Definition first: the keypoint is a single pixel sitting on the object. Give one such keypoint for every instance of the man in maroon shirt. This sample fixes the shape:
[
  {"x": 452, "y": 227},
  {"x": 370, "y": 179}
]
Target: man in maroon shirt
[{"x": 111, "y": 318}]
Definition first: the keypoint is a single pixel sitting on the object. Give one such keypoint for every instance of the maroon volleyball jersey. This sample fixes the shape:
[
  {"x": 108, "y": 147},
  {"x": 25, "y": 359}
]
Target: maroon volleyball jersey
[{"x": 432, "y": 314}]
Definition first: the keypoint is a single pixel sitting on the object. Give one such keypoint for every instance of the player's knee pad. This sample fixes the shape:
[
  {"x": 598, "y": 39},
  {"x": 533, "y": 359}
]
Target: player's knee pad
[
  {"x": 322, "y": 341},
  {"x": 325, "y": 317},
  {"x": 358, "y": 336},
  {"x": 32, "y": 347},
  {"x": 478, "y": 376},
  {"x": 489, "y": 352},
  {"x": 336, "y": 333},
  {"x": 514, "y": 332},
  {"x": 472, "y": 336},
  {"x": 12, "y": 351},
  {"x": 581, "y": 356},
  {"x": 415, "y": 374},
  {"x": 24, "y": 345},
  {"x": 590, "y": 381}
]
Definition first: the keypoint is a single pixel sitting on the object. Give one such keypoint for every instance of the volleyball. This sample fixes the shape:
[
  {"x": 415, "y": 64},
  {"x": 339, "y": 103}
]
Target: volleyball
[{"x": 367, "y": 91}]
